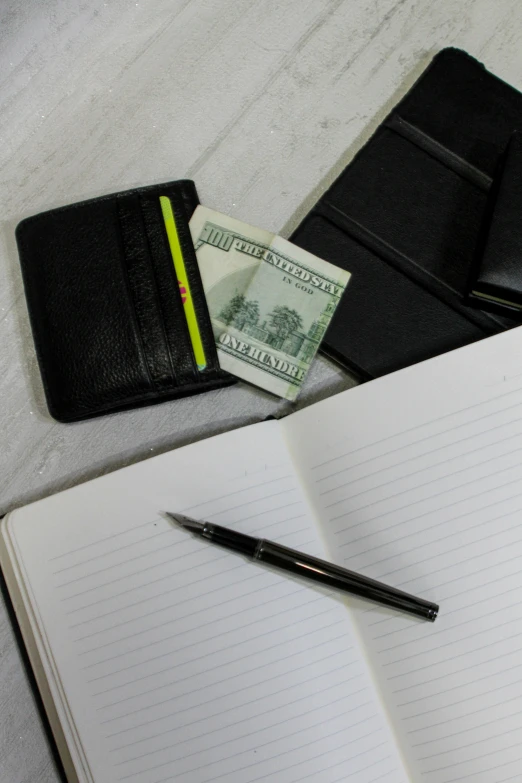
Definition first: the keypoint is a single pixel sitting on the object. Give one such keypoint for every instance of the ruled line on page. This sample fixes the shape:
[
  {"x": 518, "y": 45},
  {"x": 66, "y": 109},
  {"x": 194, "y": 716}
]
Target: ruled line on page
[
  {"x": 191, "y": 508},
  {"x": 417, "y": 516},
  {"x": 462, "y": 700},
  {"x": 487, "y": 769},
  {"x": 451, "y": 473},
  {"x": 110, "y": 552},
  {"x": 162, "y": 533},
  {"x": 120, "y": 578},
  {"x": 152, "y": 597},
  {"x": 264, "y": 483},
  {"x": 211, "y": 516},
  {"x": 112, "y": 567},
  {"x": 462, "y": 560},
  {"x": 188, "y": 647},
  {"x": 465, "y": 684},
  {"x": 437, "y": 420},
  {"x": 324, "y": 768},
  {"x": 113, "y": 672},
  {"x": 253, "y": 764},
  {"x": 428, "y": 497},
  {"x": 458, "y": 625},
  {"x": 237, "y": 568},
  {"x": 102, "y": 540},
  {"x": 208, "y": 747},
  {"x": 131, "y": 636},
  {"x": 104, "y": 599},
  {"x": 285, "y": 768},
  {"x": 175, "y": 544},
  {"x": 458, "y": 733},
  {"x": 220, "y": 713},
  {"x": 470, "y": 745},
  {"x": 475, "y": 758},
  {"x": 397, "y": 464},
  {"x": 151, "y": 613},
  {"x": 470, "y": 667},
  {"x": 149, "y": 644},
  {"x": 180, "y": 680},
  {"x": 132, "y": 743},
  {"x": 445, "y": 722},
  {"x": 209, "y": 732},
  {"x": 248, "y": 735},
  {"x": 435, "y": 525}
]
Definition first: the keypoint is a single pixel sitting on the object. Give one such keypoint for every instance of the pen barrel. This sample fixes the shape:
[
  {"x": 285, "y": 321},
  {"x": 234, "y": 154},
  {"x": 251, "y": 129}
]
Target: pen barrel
[
  {"x": 230, "y": 539},
  {"x": 339, "y": 578}
]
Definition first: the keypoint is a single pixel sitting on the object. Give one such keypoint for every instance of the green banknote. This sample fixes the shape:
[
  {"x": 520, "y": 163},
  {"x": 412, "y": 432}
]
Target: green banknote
[{"x": 269, "y": 300}]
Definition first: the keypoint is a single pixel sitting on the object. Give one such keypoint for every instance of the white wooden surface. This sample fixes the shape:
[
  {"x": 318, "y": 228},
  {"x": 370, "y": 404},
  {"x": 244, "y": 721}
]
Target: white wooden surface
[{"x": 262, "y": 103}]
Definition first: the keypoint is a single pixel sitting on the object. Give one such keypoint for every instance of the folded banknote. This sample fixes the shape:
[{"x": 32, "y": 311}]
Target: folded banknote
[{"x": 270, "y": 301}]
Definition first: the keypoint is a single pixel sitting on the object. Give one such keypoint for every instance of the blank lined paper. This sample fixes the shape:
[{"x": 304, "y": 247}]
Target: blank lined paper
[
  {"x": 183, "y": 662},
  {"x": 417, "y": 479}
]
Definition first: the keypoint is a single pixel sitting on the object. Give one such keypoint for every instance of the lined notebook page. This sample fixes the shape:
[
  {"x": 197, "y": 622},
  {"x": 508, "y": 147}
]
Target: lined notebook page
[
  {"x": 182, "y": 662},
  {"x": 417, "y": 478}
]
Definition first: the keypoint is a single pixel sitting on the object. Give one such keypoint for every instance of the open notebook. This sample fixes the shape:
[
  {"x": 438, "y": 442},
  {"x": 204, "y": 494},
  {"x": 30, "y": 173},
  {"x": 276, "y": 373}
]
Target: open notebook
[{"x": 162, "y": 658}]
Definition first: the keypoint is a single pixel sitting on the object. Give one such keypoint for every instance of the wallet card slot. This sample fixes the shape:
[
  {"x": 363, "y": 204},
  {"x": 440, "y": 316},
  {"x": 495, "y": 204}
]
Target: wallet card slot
[
  {"x": 169, "y": 296},
  {"x": 143, "y": 290},
  {"x": 196, "y": 286},
  {"x": 171, "y": 227}
]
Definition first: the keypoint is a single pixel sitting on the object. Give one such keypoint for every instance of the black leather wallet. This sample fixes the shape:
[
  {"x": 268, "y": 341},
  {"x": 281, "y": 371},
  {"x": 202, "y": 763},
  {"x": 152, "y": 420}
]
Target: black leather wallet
[
  {"x": 405, "y": 216},
  {"x": 496, "y": 282},
  {"x": 105, "y": 304}
]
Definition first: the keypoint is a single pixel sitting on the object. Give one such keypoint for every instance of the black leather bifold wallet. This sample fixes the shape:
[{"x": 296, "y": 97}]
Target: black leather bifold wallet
[
  {"x": 404, "y": 217},
  {"x": 105, "y": 304}
]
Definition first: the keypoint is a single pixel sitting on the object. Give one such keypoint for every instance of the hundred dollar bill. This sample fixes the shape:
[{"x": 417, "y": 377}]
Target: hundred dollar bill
[{"x": 270, "y": 301}]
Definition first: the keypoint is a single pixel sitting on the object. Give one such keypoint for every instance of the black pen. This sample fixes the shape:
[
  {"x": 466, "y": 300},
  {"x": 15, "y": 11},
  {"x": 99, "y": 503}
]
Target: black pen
[{"x": 309, "y": 567}]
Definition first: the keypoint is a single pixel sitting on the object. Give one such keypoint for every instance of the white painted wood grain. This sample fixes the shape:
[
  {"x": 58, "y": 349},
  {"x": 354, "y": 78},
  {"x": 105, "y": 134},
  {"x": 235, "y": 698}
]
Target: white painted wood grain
[{"x": 262, "y": 104}]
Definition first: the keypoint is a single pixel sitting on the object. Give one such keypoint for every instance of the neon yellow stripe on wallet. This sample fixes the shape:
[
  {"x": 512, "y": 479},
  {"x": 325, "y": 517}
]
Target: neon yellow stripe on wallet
[{"x": 179, "y": 267}]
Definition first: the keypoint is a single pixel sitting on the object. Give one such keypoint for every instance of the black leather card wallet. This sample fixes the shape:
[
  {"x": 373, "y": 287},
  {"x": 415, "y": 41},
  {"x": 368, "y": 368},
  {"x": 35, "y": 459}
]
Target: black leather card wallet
[{"x": 105, "y": 304}]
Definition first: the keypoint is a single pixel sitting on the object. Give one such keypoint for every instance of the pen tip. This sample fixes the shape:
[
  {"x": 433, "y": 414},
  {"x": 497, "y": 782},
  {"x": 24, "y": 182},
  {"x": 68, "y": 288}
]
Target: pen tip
[{"x": 185, "y": 522}]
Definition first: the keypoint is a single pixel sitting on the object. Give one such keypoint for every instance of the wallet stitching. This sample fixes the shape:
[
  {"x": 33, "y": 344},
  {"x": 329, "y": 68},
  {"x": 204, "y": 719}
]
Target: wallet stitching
[
  {"x": 137, "y": 329},
  {"x": 158, "y": 301},
  {"x": 156, "y": 382}
]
